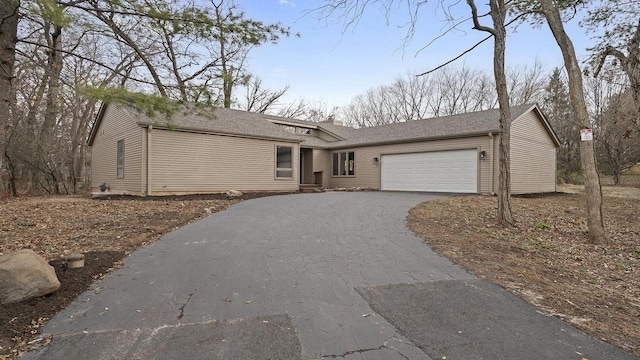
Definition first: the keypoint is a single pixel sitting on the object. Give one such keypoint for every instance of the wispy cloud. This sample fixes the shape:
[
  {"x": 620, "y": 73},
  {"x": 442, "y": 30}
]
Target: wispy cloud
[{"x": 287, "y": 2}]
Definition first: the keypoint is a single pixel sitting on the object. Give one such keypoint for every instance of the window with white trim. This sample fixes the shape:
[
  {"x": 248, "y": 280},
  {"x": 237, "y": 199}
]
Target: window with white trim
[
  {"x": 120, "y": 159},
  {"x": 344, "y": 163},
  {"x": 284, "y": 162}
]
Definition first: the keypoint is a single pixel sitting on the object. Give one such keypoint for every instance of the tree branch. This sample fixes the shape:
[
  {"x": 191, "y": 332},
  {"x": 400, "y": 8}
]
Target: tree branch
[
  {"x": 134, "y": 13},
  {"x": 609, "y": 51},
  {"x": 89, "y": 60},
  {"x": 14, "y": 13},
  {"x": 477, "y": 44},
  {"x": 476, "y": 21},
  {"x": 457, "y": 57}
]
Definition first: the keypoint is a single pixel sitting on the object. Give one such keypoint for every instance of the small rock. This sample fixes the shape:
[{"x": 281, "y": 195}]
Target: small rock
[
  {"x": 75, "y": 260},
  {"x": 25, "y": 275},
  {"x": 232, "y": 194}
]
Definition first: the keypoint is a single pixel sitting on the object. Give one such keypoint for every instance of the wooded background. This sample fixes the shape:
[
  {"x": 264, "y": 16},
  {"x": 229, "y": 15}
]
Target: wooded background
[{"x": 61, "y": 59}]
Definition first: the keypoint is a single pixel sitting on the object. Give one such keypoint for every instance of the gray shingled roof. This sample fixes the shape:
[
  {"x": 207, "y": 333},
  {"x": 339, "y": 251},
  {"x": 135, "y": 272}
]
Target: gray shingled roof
[
  {"x": 339, "y": 130},
  {"x": 243, "y": 123},
  {"x": 314, "y": 142},
  {"x": 480, "y": 122},
  {"x": 219, "y": 120}
]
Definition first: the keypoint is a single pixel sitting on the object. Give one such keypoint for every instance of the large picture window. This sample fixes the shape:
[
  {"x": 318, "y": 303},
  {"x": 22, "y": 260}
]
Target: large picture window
[
  {"x": 120, "y": 157},
  {"x": 344, "y": 163},
  {"x": 284, "y": 162}
]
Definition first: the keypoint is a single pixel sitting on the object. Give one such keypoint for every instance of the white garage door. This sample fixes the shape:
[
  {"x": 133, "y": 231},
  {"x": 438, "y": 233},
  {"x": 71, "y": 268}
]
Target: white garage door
[{"x": 439, "y": 171}]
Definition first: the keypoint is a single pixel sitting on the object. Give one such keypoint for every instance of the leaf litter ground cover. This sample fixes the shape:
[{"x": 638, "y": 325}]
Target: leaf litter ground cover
[
  {"x": 547, "y": 259},
  {"x": 104, "y": 230}
]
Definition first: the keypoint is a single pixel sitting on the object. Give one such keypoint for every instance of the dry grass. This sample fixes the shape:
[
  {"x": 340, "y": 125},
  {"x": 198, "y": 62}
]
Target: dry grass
[{"x": 612, "y": 191}]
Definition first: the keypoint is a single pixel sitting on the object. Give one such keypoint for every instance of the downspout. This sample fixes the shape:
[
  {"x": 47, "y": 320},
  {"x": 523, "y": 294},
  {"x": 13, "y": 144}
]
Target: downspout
[
  {"x": 491, "y": 164},
  {"x": 149, "y": 159}
]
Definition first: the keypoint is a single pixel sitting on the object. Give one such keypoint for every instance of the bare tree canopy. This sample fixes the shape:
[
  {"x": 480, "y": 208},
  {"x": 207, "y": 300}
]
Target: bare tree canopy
[
  {"x": 613, "y": 114},
  {"x": 557, "y": 108},
  {"x": 619, "y": 44},
  {"x": 447, "y": 91}
]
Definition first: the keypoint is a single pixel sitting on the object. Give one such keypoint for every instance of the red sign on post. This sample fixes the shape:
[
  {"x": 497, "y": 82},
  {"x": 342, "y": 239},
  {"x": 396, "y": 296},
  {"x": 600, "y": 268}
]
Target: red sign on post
[{"x": 586, "y": 134}]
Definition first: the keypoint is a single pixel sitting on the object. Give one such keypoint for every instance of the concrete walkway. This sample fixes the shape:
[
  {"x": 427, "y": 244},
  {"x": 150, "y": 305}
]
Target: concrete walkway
[{"x": 286, "y": 277}]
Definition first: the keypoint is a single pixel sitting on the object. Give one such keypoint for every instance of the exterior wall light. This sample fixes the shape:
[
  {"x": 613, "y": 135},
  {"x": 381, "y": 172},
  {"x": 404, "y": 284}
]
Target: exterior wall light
[{"x": 483, "y": 155}]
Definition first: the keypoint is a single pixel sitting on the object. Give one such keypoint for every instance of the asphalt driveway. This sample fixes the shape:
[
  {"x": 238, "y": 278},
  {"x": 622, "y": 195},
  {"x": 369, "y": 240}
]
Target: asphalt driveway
[{"x": 309, "y": 276}]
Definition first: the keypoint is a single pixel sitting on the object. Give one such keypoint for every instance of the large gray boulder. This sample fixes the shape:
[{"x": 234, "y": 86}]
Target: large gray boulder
[{"x": 25, "y": 275}]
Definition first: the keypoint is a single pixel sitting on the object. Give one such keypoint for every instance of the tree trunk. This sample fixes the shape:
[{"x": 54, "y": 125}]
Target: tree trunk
[
  {"x": 54, "y": 69},
  {"x": 593, "y": 191},
  {"x": 8, "y": 38},
  {"x": 505, "y": 215},
  {"x": 227, "y": 70},
  {"x": 11, "y": 181},
  {"x": 78, "y": 140},
  {"x": 227, "y": 86},
  {"x": 499, "y": 33}
]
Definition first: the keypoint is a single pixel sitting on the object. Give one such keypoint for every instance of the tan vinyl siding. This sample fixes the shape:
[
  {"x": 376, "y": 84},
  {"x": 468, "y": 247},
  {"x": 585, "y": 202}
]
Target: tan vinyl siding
[
  {"x": 322, "y": 163},
  {"x": 533, "y": 156},
  {"x": 117, "y": 125},
  {"x": 367, "y": 174},
  {"x": 184, "y": 162}
]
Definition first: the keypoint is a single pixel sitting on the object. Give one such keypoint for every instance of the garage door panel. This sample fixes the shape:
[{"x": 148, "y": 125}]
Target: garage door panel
[{"x": 440, "y": 171}]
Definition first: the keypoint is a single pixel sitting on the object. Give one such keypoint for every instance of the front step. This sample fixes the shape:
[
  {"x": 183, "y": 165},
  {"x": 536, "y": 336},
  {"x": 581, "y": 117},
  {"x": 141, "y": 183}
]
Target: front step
[{"x": 309, "y": 188}]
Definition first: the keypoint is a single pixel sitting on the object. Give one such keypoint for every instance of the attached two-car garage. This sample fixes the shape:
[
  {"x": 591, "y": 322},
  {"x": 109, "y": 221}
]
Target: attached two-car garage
[{"x": 454, "y": 171}]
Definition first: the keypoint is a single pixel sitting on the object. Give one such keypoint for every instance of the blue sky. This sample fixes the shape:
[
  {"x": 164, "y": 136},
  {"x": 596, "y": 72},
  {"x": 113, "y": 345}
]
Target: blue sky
[{"x": 330, "y": 64}]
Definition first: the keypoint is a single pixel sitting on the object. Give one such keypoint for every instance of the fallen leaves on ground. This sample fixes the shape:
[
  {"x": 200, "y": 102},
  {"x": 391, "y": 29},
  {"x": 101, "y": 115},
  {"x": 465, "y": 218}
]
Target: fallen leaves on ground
[
  {"x": 58, "y": 226},
  {"x": 547, "y": 258},
  {"x": 104, "y": 230}
]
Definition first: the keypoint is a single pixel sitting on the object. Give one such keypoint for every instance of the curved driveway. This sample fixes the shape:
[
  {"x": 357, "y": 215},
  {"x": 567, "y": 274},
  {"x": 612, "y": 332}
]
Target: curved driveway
[{"x": 270, "y": 278}]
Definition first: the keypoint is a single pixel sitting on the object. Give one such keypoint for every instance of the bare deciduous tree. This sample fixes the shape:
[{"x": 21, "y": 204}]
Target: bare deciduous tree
[
  {"x": 613, "y": 114},
  {"x": 526, "y": 83},
  {"x": 557, "y": 108},
  {"x": 593, "y": 190},
  {"x": 618, "y": 146},
  {"x": 261, "y": 100},
  {"x": 498, "y": 12},
  {"x": 620, "y": 20},
  {"x": 235, "y": 36}
]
